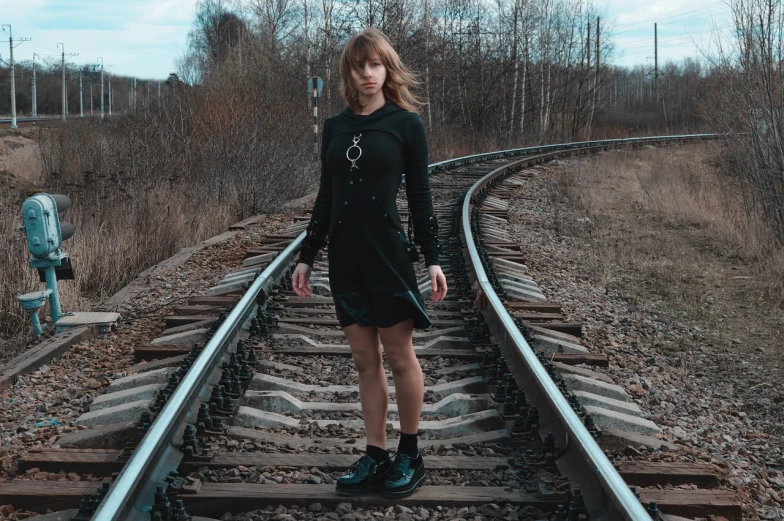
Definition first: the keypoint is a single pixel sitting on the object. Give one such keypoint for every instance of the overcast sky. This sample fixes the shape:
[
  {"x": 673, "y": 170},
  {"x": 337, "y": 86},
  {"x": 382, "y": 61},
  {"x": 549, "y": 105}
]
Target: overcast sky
[
  {"x": 144, "y": 37},
  {"x": 685, "y": 28}
]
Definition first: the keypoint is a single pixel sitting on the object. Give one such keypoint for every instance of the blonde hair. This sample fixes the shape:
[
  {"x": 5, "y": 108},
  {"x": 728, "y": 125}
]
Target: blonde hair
[{"x": 364, "y": 46}]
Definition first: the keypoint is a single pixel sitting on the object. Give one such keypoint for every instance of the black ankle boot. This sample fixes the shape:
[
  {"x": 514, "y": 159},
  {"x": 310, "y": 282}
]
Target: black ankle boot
[
  {"x": 408, "y": 473},
  {"x": 365, "y": 475}
]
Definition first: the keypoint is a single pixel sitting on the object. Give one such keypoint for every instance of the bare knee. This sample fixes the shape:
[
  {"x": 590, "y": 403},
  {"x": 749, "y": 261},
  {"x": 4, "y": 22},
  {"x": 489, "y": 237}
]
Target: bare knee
[
  {"x": 401, "y": 358},
  {"x": 365, "y": 347},
  {"x": 398, "y": 346},
  {"x": 366, "y": 359}
]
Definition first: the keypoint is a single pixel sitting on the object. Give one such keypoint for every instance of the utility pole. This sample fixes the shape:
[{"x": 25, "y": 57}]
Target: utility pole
[
  {"x": 595, "y": 93},
  {"x": 596, "y": 74},
  {"x": 91, "y": 100},
  {"x": 588, "y": 47},
  {"x": 656, "y": 61},
  {"x": 597, "y": 45},
  {"x": 35, "y": 101},
  {"x": 63, "y": 67},
  {"x": 100, "y": 58},
  {"x": 81, "y": 97},
  {"x": 65, "y": 95},
  {"x": 110, "y": 95},
  {"x": 13, "y": 81}
]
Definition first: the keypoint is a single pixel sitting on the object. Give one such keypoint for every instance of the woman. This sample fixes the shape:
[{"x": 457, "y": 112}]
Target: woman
[{"x": 365, "y": 150}]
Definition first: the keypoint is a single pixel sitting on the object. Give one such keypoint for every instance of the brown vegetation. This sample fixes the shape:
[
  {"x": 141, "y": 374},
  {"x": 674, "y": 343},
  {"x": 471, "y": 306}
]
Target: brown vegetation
[
  {"x": 143, "y": 186},
  {"x": 663, "y": 230},
  {"x": 748, "y": 105},
  {"x": 667, "y": 190}
]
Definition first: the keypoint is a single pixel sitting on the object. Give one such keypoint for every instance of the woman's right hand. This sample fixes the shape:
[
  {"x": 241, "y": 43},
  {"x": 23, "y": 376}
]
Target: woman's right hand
[{"x": 300, "y": 280}]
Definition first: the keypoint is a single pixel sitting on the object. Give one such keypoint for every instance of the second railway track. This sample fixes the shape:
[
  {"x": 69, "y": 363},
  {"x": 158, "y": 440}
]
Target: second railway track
[{"x": 258, "y": 407}]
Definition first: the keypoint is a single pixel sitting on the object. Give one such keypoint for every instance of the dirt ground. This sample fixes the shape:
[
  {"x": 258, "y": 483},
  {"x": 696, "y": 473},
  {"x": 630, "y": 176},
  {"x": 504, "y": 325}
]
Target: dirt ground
[
  {"x": 647, "y": 250},
  {"x": 18, "y": 157}
]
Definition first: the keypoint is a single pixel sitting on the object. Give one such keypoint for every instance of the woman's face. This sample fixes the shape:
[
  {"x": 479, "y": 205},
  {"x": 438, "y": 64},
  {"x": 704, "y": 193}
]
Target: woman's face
[{"x": 369, "y": 77}]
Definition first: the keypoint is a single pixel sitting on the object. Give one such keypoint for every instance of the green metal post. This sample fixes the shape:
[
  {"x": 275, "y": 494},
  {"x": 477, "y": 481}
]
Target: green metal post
[
  {"x": 54, "y": 298},
  {"x": 36, "y": 323}
]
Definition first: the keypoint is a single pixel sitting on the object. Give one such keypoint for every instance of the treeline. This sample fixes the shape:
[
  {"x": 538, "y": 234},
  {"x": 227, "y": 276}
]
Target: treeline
[
  {"x": 127, "y": 92},
  {"x": 496, "y": 73},
  {"x": 500, "y": 72},
  {"x": 749, "y": 101}
]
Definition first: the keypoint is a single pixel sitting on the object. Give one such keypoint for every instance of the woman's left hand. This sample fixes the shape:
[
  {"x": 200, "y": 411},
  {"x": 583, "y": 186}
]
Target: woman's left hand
[{"x": 437, "y": 283}]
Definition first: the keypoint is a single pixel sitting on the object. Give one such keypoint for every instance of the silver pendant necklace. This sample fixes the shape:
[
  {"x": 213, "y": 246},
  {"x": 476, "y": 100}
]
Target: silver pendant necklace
[{"x": 355, "y": 139}]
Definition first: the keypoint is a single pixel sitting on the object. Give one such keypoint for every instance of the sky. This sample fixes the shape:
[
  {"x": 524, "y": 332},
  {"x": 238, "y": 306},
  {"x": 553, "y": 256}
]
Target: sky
[
  {"x": 685, "y": 28},
  {"x": 140, "y": 38},
  {"x": 143, "y": 38}
]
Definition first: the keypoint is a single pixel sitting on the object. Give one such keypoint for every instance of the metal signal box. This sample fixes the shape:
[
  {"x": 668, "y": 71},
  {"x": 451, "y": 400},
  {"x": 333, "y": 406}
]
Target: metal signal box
[
  {"x": 45, "y": 235},
  {"x": 42, "y": 227}
]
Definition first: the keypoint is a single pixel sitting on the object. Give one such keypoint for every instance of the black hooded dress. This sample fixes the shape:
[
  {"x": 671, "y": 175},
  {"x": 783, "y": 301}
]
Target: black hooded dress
[{"x": 363, "y": 158}]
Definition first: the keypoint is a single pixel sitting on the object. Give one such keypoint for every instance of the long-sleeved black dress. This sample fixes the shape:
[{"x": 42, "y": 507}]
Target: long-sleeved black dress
[{"x": 363, "y": 158}]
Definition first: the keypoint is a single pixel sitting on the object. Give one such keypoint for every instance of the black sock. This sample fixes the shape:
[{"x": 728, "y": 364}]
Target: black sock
[
  {"x": 408, "y": 444},
  {"x": 377, "y": 453}
]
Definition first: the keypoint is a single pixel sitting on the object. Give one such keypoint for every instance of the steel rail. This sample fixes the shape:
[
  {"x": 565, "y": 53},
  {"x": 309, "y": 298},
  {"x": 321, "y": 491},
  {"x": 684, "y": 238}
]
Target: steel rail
[
  {"x": 613, "y": 499},
  {"x": 131, "y": 494},
  {"x": 45, "y": 118},
  {"x": 451, "y": 163}
]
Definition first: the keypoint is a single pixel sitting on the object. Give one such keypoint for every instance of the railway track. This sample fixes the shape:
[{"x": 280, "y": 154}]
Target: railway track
[
  {"x": 47, "y": 121},
  {"x": 250, "y": 401}
]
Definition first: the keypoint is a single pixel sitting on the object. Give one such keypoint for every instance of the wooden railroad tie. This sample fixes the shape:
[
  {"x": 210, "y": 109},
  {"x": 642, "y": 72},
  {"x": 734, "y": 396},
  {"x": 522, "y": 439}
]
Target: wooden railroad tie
[
  {"x": 329, "y": 321},
  {"x": 279, "y": 237},
  {"x": 228, "y": 300},
  {"x": 595, "y": 359},
  {"x": 158, "y": 351},
  {"x": 462, "y": 354},
  {"x": 537, "y": 307},
  {"x": 183, "y": 320},
  {"x": 694, "y": 503},
  {"x": 655, "y": 473},
  {"x": 190, "y": 310},
  {"x": 215, "y": 499},
  {"x": 105, "y": 462},
  {"x": 268, "y": 248}
]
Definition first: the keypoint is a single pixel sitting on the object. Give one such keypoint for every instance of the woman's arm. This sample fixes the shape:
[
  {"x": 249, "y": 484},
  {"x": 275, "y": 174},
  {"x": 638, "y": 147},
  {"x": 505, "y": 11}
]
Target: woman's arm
[
  {"x": 420, "y": 201},
  {"x": 319, "y": 219}
]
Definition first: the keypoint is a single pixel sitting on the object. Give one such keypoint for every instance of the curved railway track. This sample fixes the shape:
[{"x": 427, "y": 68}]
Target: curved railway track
[{"x": 263, "y": 410}]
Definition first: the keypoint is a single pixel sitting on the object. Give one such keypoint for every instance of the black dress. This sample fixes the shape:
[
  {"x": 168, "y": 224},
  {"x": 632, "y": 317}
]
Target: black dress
[{"x": 363, "y": 158}]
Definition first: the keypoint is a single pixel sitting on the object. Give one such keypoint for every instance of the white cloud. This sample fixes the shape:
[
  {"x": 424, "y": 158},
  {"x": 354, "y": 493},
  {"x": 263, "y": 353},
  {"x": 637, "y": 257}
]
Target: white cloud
[{"x": 141, "y": 38}]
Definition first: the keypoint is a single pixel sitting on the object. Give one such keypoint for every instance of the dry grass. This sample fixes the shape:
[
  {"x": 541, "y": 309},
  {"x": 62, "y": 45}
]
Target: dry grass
[
  {"x": 661, "y": 190},
  {"x": 142, "y": 188},
  {"x": 107, "y": 251},
  {"x": 663, "y": 230},
  {"x": 25, "y": 163}
]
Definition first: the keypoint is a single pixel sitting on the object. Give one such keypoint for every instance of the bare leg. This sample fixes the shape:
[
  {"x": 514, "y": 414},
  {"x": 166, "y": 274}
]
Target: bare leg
[
  {"x": 406, "y": 371},
  {"x": 373, "y": 390}
]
